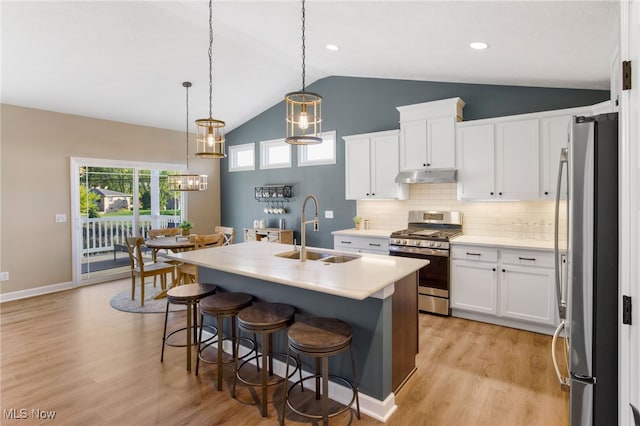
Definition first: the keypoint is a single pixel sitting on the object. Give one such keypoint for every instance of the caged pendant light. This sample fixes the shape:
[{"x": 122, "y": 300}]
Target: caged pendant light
[
  {"x": 210, "y": 132},
  {"x": 187, "y": 182},
  {"x": 304, "y": 109}
]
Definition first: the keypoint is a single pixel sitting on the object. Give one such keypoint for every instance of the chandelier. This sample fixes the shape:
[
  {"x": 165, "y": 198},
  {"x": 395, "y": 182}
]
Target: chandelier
[
  {"x": 210, "y": 132},
  {"x": 304, "y": 109},
  {"x": 187, "y": 182}
]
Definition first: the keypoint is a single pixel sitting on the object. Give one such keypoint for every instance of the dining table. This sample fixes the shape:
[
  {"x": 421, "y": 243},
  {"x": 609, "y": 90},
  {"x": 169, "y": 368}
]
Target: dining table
[{"x": 176, "y": 244}]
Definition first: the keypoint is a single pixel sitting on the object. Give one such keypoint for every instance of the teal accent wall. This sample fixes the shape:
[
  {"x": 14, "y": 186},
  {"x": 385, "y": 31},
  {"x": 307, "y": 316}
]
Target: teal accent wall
[{"x": 361, "y": 105}]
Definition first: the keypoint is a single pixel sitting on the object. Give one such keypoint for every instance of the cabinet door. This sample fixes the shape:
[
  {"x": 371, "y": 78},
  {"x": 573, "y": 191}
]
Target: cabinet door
[
  {"x": 517, "y": 158},
  {"x": 441, "y": 146},
  {"x": 555, "y": 136},
  {"x": 384, "y": 166},
  {"x": 413, "y": 146},
  {"x": 476, "y": 163},
  {"x": 527, "y": 293},
  {"x": 474, "y": 286},
  {"x": 357, "y": 169},
  {"x": 250, "y": 235}
]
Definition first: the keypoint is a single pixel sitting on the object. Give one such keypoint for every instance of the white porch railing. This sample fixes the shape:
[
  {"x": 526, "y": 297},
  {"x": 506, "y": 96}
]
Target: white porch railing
[{"x": 100, "y": 234}]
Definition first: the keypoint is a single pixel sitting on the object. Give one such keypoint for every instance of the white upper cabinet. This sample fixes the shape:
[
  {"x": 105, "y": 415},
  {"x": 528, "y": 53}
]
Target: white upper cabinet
[
  {"x": 518, "y": 160},
  {"x": 476, "y": 162},
  {"x": 427, "y": 134},
  {"x": 555, "y": 136},
  {"x": 371, "y": 166}
]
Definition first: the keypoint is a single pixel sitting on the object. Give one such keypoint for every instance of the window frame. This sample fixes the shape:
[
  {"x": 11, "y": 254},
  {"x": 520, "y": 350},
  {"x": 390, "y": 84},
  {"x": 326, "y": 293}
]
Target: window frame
[
  {"x": 233, "y": 157},
  {"x": 264, "y": 156},
  {"x": 302, "y": 152}
]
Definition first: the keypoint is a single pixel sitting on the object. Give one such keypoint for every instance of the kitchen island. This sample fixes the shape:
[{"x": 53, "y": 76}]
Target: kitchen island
[{"x": 376, "y": 294}]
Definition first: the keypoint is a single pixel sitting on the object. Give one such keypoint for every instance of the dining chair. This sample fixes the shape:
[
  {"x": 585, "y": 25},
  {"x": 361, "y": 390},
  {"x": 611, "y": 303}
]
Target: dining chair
[
  {"x": 228, "y": 232},
  {"x": 188, "y": 272},
  {"x": 162, "y": 233},
  {"x": 139, "y": 268}
]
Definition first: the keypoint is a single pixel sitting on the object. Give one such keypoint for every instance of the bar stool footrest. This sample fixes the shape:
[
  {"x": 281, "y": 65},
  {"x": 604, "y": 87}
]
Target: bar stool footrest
[
  {"x": 278, "y": 379},
  {"x": 230, "y": 359},
  {"x": 211, "y": 329},
  {"x": 319, "y": 376}
]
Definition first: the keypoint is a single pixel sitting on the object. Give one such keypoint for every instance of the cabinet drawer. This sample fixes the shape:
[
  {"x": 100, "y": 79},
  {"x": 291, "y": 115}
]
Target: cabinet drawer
[
  {"x": 377, "y": 245},
  {"x": 485, "y": 254},
  {"x": 528, "y": 258}
]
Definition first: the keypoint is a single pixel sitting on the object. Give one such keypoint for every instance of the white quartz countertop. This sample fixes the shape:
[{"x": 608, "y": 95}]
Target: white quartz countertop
[
  {"x": 368, "y": 276},
  {"x": 369, "y": 233},
  {"x": 503, "y": 242}
]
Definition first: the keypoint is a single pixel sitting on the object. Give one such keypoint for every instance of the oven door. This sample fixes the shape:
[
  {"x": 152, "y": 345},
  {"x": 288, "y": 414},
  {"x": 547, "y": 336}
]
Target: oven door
[{"x": 434, "y": 278}]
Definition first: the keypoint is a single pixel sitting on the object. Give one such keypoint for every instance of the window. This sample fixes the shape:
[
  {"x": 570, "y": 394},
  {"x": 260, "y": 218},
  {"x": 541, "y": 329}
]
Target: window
[
  {"x": 323, "y": 153},
  {"x": 275, "y": 154},
  {"x": 242, "y": 157}
]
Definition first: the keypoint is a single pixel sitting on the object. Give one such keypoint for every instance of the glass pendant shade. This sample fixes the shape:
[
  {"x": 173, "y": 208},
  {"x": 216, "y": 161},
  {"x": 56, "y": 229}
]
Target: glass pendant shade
[
  {"x": 210, "y": 138},
  {"x": 187, "y": 182},
  {"x": 304, "y": 118}
]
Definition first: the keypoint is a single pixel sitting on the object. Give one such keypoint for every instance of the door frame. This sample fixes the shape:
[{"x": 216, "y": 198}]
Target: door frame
[{"x": 76, "y": 220}]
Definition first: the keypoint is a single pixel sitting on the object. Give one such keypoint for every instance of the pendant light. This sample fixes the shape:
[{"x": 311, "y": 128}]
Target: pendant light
[
  {"x": 187, "y": 182},
  {"x": 210, "y": 132},
  {"x": 304, "y": 109}
]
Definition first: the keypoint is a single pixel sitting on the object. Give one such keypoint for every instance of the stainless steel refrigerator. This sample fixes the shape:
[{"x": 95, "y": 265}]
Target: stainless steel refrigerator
[{"x": 587, "y": 276}]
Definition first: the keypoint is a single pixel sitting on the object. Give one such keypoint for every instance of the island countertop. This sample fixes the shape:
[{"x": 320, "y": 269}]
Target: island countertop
[{"x": 368, "y": 276}]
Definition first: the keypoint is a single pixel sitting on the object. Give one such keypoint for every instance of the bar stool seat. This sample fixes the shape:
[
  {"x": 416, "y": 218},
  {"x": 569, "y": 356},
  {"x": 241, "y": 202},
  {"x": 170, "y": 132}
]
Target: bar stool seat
[
  {"x": 321, "y": 338},
  {"x": 220, "y": 306},
  {"x": 264, "y": 319},
  {"x": 189, "y": 295}
]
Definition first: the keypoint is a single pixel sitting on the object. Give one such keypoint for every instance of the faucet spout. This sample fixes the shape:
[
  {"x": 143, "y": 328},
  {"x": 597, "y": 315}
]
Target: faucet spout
[{"x": 303, "y": 225}]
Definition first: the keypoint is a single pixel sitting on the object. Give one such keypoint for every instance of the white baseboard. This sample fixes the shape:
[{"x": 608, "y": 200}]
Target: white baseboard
[
  {"x": 37, "y": 291},
  {"x": 374, "y": 408},
  {"x": 505, "y": 322}
]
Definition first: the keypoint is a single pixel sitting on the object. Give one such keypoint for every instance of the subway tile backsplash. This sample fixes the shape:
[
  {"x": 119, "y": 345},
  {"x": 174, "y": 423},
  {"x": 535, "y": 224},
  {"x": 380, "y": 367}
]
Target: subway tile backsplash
[{"x": 514, "y": 219}]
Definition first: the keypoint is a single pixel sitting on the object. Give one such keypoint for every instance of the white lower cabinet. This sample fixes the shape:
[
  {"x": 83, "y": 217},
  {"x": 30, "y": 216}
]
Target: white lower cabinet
[
  {"x": 369, "y": 244},
  {"x": 509, "y": 287}
]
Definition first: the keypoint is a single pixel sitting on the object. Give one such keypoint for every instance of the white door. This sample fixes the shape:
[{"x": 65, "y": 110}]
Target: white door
[
  {"x": 555, "y": 136},
  {"x": 474, "y": 286},
  {"x": 441, "y": 137},
  {"x": 527, "y": 293},
  {"x": 357, "y": 168},
  {"x": 413, "y": 148}
]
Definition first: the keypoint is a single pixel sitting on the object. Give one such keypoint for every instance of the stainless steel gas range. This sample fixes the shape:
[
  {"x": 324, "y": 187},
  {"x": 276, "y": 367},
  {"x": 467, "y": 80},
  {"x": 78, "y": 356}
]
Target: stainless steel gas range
[{"x": 427, "y": 237}]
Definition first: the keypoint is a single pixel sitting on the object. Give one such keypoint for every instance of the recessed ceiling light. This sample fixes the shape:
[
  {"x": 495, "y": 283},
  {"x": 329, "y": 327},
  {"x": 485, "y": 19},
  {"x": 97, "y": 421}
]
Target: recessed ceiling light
[
  {"x": 332, "y": 47},
  {"x": 478, "y": 45}
]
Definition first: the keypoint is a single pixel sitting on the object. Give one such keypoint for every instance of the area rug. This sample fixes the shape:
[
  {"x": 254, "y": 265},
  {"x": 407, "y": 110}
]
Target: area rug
[{"x": 122, "y": 301}]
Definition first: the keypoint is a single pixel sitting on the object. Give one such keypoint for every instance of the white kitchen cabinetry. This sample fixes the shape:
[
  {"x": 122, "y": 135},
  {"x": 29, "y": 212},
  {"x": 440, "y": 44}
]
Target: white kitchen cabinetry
[
  {"x": 474, "y": 272},
  {"x": 505, "y": 286},
  {"x": 499, "y": 160},
  {"x": 427, "y": 134},
  {"x": 369, "y": 244},
  {"x": 527, "y": 286},
  {"x": 371, "y": 166},
  {"x": 555, "y": 136}
]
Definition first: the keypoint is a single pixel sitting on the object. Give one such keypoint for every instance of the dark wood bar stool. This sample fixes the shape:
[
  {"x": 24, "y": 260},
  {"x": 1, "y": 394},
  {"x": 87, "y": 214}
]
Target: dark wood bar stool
[
  {"x": 321, "y": 338},
  {"x": 189, "y": 295},
  {"x": 264, "y": 319},
  {"x": 221, "y": 306}
]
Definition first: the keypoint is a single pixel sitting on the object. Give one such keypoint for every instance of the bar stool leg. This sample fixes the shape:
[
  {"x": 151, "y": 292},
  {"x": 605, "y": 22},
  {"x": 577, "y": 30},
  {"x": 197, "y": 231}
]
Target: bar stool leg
[
  {"x": 164, "y": 333},
  {"x": 318, "y": 372},
  {"x": 325, "y": 391},
  {"x": 265, "y": 361},
  {"x": 199, "y": 344},
  {"x": 355, "y": 381},
  {"x": 220, "y": 340},
  {"x": 188, "y": 336}
]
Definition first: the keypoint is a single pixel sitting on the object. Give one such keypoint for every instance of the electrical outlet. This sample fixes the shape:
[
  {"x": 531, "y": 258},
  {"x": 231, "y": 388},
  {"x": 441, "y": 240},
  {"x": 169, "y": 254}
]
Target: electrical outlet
[
  {"x": 328, "y": 214},
  {"x": 61, "y": 217},
  {"x": 4, "y": 276}
]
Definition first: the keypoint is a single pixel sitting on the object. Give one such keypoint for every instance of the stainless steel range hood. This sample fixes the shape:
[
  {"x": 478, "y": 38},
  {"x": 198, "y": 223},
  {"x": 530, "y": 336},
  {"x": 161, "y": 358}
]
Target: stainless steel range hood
[{"x": 427, "y": 176}]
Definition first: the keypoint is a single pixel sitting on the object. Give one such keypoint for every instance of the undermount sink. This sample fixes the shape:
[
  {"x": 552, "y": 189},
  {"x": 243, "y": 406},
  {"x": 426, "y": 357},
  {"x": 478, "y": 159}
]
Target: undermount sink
[{"x": 318, "y": 255}]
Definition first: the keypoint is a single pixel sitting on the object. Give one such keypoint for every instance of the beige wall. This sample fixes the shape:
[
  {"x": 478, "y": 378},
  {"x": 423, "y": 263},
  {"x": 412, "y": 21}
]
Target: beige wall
[{"x": 35, "y": 149}]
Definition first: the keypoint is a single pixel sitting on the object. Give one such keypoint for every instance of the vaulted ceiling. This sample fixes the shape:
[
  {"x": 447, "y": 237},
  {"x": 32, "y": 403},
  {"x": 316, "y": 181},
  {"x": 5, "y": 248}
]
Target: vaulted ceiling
[{"x": 126, "y": 60}]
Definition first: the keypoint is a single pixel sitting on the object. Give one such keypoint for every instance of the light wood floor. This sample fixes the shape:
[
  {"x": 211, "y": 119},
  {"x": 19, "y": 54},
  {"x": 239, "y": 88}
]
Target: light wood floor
[{"x": 72, "y": 353}]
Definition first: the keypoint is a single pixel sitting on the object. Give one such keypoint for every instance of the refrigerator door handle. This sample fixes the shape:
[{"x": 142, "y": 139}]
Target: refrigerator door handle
[{"x": 560, "y": 294}]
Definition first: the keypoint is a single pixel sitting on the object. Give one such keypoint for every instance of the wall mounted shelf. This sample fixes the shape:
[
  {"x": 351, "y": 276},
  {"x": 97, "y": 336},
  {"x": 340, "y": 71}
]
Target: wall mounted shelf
[{"x": 273, "y": 193}]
